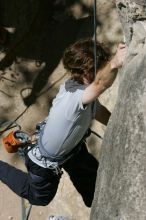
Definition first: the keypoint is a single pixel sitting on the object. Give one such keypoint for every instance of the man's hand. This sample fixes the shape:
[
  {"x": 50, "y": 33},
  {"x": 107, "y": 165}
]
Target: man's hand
[{"x": 119, "y": 57}]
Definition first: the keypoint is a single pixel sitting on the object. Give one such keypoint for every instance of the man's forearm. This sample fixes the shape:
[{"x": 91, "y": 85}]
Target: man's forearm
[
  {"x": 104, "y": 79},
  {"x": 106, "y": 76}
]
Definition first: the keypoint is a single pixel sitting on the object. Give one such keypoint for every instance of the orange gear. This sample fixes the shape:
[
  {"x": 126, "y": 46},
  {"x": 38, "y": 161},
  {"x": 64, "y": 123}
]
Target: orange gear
[{"x": 11, "y": 143}]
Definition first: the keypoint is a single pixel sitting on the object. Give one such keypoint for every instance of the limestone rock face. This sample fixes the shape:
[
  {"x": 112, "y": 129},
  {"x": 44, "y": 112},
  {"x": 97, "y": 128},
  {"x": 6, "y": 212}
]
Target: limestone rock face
[
  {"x": 120, "y": 188},
  {"x": 130, "y": 11}
]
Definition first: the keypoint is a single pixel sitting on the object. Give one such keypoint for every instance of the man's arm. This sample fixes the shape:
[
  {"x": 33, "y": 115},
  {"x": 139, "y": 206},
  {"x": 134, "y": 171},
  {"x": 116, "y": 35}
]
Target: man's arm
[
  {"x": 105, "y": 77},
  {"x": 103, "y": 115}
]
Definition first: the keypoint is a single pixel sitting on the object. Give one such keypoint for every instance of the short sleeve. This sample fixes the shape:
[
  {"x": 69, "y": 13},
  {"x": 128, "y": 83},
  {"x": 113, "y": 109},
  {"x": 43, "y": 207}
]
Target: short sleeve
[{"x": 75, "y": 105}]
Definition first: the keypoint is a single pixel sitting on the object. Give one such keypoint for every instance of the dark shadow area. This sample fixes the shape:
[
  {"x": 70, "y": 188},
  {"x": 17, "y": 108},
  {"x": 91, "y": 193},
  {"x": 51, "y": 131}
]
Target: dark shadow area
[
  {"x": 46, "y": 39},
  {"x": 67, "y": 4}
]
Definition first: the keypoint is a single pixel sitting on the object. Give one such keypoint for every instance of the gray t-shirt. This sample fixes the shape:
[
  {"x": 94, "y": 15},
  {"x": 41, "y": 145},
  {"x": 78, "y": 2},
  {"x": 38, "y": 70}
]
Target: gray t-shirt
[{"x": 67, "y": 122}]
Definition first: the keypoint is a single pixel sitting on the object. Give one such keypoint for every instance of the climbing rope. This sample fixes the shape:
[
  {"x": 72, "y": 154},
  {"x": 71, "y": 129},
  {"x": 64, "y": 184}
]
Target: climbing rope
[
  {"x": 95, "y": 37},
  {"x": 95, "y": 52}
]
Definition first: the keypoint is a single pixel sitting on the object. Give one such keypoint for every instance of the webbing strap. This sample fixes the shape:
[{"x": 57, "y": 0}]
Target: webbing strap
[{"x": 88, "y": 133}]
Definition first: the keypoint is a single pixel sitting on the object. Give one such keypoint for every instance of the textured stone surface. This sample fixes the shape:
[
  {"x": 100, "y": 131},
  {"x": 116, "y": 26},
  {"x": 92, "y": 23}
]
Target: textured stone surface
[
  {"x": 121, "y": 182},
  {"x": 130, "y": 11}
]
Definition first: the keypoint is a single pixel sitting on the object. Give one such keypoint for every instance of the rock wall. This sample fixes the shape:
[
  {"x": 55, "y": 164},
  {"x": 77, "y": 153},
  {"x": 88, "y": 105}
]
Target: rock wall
[{"x": 120, "y": 188}]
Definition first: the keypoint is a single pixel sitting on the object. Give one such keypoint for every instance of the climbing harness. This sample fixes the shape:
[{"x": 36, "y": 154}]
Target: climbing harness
[{"x": 51, "y": 162}]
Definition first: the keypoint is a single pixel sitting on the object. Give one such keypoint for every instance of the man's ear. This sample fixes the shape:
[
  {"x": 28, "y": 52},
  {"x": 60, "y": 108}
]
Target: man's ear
[{"x": 89, "y": 77}]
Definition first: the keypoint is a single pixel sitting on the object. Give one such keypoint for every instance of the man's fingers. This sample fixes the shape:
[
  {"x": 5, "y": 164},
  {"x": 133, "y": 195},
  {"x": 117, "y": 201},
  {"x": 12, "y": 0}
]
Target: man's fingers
[{"x": 122, "y": 46}]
